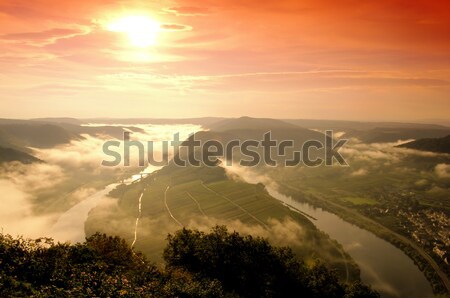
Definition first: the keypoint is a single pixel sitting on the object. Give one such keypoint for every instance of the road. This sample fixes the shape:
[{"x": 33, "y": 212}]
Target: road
[
  {"x": 137, "y": 218},
  {"x": 405, "y": 240},
  {"x": 168, "y": 209},
  {"x": 198, "y": 204}
]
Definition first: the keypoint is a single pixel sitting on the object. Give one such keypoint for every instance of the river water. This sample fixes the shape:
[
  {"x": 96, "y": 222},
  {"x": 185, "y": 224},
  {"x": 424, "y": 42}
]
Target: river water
[
  {"x": 385, "y": 267},
  {"x": 70, "y": 226}
]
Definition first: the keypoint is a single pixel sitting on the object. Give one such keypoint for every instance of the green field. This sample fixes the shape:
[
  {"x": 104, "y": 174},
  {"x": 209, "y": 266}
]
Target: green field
[
  {"x": 360, "y": 200},
  {"x": 172, "y": 200},
  {"x": 403, "y": 193}
]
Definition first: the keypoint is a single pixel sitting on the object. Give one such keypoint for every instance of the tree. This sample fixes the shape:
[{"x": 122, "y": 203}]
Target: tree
[
  {"x": 215, "y": 264},
  {"x": 251, "y": 267}
]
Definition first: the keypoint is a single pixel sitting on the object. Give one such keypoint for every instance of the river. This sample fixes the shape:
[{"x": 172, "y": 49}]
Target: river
[
  {"x": 70, "y": 225},
  {"x": 385, "y": 267}
]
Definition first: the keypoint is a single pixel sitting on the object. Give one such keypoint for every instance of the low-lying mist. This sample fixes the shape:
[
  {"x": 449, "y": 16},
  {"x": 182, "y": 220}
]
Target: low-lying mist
[{"x": 36, "y": 195}]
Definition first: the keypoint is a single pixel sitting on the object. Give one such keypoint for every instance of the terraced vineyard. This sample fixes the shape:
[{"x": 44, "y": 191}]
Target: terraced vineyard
[{"x": 204, "y": 198}]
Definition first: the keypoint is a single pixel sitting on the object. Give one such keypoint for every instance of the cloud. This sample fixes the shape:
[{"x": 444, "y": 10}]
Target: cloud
[
  {"x": 62, "y": 89},
  {"x": 33, "y": 177},
  {"x": 70, "y": 225},
  {"x": 275, "y": 81},
  {"x": 175, "y": 27},
  {"x": 152, "y": 231},
  {"x": 360, "y": 172},
  {"x": 61, "y": 182},
  {"x": 43, "y": 37},
  {"x": 86, "y": 153},
  {"x": 247, "y": 174},
  {"x": 80, "y": 194},
  {"x": 442, "y": 170},
  {"x": 187, "y": 10},
  {"x": 285, "y": 232},
  {"x": 34, "y": 193},
  {"x": 411, "y": 53},
  {"x": 17, "y": 216},
  {"x": 352, "y": 246},
  {"x": 421, "y": 182},
  {"x": 375, "y": 153}
]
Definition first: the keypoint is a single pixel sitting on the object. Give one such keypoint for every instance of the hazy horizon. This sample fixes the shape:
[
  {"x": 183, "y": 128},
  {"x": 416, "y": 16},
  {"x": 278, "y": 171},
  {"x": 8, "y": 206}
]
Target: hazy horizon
[{"x": 442, "y": 122}]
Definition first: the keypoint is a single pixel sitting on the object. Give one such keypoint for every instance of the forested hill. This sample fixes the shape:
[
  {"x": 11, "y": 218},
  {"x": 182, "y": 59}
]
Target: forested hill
[
  {"x": 9, "y": 154},
  {"x": 438, "y": 145},
  {"x": 218, "y": 264}
]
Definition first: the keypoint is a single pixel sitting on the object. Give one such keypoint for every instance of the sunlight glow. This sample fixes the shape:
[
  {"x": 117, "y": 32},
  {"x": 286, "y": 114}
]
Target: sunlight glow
[{"x": 141, "y": 30}]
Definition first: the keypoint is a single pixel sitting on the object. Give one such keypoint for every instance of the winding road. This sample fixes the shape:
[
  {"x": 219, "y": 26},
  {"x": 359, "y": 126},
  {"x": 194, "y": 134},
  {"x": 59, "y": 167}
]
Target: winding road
[
  {"x": 198, "y": 204},
  {"x": 168, "y": 209},
  {"x": 137, "y": 219}
]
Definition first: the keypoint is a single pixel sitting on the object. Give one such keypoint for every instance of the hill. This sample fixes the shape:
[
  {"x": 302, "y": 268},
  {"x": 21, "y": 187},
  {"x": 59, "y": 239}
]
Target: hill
[
  {"x": 376, "y": 132},
  {"x": 438, "y": 145},
  {"x": 59, "y": 120},
  {"x": 51, "y": 132},
  {"x": 8, "y": 154},
  {"x": 190, "y": 196},
  {"x": 246, "y": 129},
  {"x": 204, "y": 121},
  {"x": 34, "y": 134},
  {"x": 394, "y": 134},
  {"x": 248, "y": 123},
  {"x": 358, "y": 125}
]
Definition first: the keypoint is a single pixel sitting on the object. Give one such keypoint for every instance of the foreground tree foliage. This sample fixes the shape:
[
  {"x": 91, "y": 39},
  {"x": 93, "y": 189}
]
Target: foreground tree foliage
[{"x": 217, "y": 264}]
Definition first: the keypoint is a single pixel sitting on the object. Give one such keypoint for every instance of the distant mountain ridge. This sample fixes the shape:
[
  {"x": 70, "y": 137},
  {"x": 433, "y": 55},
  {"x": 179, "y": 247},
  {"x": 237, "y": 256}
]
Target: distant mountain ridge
[
  {"x": 251, "y": 123},
  {"x": 359, "y": 125},
  {"x": 394, "y": 134},
  {"x": 204, "y": 121},
  {"x": 65, "y": 120},
  {"x": 438, "y": 145},
  {"x": 247, "y": 128},
  {"x": 50, "y": 132},
  {"x": 34, "y": 134}
]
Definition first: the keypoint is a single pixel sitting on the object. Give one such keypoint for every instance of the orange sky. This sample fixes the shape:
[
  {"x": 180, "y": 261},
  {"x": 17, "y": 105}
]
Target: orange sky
[{"x": 347, "y": 59}]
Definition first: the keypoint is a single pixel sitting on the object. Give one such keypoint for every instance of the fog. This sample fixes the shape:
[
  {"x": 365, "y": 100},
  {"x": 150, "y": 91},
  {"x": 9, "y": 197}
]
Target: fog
[
  {"x": 442, "y": 171},
  {"x": 36, "y": 195},
  {"x": 17, "y": 216}
]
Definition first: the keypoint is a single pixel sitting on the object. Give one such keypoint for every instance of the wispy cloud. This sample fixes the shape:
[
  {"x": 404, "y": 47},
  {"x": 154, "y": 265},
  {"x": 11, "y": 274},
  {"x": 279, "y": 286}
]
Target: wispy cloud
[
  {"x": 187, "y": 10},
  {"x": 176, "y": 27},
  {"x": 215, "y": 55},
  {"x": 43, "y": 37}
]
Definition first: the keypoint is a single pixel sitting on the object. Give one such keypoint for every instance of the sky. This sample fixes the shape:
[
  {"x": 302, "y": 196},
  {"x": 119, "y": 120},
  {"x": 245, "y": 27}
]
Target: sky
[{"x": 347, "y": 59}]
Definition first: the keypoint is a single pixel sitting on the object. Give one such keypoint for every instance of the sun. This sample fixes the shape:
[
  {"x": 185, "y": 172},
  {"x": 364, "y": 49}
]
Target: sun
[{"x": 142, "y": 31}]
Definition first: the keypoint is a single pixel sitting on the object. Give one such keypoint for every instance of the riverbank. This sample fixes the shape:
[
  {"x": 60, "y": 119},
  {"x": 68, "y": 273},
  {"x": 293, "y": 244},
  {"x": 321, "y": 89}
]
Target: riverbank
[{"x": 436, "y": 277}]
